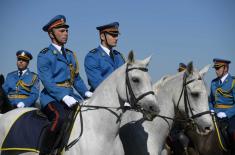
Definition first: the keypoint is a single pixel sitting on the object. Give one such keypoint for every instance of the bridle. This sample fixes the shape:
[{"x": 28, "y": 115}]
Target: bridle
[
  {"x": 132, "y": 99},
  {"x": 188, "y": 109},
  {"x": 187, "y": 105}
]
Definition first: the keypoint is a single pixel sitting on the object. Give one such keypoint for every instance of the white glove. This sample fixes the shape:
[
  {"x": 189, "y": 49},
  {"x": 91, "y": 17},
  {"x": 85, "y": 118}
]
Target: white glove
[
  {"x": 88, "y": 94},
  {"x": 221, "y": 115},
  {"x": 69, "y": 100},
  {"x": 20, "y": 105}
]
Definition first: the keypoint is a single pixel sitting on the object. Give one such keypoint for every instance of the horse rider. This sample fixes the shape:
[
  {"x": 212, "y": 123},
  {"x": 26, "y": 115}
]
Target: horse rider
[
  {"x": 222, "y": 96},
  {"x": 102, "y": 61},
  {"x": 182, "y": 67},
  {"x": 22, "y": 86},
  {"x": 59, "y": 72}
]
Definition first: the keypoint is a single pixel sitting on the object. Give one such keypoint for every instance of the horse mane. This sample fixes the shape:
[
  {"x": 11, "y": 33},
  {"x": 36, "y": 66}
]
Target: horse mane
[{"x": 160, "y": 83}]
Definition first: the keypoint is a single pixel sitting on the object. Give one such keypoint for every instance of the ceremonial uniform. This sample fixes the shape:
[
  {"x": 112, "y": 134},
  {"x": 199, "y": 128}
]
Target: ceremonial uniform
[
  {"x": 99, "y": 65},
  {"x": 222, "y": 98},
  {"x": 58, "y": 74},
  {"x": 22, "y": 88},
  {"x": 101, "y": 62}
]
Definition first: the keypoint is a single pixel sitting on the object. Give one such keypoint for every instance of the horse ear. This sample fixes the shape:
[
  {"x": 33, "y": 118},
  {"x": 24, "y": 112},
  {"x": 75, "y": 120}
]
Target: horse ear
[
  {"x": 1, "y": 79},
  {"x": 190, "y": 68},
  {"x": 147, "y": 60},
  {"x": 204, "y": 70},
  {"x": 131, "y": 57}
]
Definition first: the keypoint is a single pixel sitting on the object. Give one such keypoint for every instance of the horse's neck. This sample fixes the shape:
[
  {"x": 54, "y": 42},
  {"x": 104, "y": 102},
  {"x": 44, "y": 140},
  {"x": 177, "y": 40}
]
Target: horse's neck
[
  {"x": 106, "y": 119},
  {"x": 169, "y": 94},
  {"x": 107, "y": 93},
  {"x": 166, "y": 95}
]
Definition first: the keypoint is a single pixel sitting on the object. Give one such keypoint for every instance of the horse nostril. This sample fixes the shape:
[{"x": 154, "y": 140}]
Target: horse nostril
[
  {"x": 154, "y": 109},
  {"x": 151, "y": 108},
  {"x": 207, "y": 128}
]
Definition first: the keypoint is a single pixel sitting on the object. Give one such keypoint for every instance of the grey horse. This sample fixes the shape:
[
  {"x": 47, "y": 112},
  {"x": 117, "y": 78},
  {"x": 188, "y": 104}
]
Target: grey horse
[
  {"x": 148, "y": 138},
  {"x": 103, "y": 112}
]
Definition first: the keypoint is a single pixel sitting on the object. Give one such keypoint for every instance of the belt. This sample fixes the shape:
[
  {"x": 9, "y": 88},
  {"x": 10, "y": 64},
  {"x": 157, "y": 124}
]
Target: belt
[
  {"x": 223, "y": 106},
  {"x": 65, "y": 84},
  {"x": 18, "y": 96}
]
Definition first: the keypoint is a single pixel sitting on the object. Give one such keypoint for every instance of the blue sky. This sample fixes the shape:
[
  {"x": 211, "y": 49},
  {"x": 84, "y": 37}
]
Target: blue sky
[{"x": 172, "y": 31}]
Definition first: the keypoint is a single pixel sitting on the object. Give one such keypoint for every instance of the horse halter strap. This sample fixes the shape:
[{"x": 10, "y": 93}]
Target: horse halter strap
[
  {"x": 186, "y": 99},
  {"x": 133, "y": 100}
]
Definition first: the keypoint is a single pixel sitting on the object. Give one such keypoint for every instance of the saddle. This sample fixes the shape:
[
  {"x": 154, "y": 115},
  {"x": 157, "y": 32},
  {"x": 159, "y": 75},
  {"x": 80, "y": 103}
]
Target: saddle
[{"x": 25, "y": 132}]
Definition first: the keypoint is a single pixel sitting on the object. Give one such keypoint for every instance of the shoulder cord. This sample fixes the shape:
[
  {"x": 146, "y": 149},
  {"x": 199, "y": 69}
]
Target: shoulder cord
[{"x": 26, "y": 86}]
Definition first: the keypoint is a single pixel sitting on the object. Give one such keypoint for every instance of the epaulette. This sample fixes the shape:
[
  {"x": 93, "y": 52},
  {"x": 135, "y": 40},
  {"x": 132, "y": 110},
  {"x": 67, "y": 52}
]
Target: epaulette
[
  {"x": 93, "y": 51},
  {"x": 44, "y": 50},
  {"x": 123, "y": 57},
  {"x": 67, "y": 50},
  {"x": 216, "y": 79},
  {"x": 13, "y": 72}
]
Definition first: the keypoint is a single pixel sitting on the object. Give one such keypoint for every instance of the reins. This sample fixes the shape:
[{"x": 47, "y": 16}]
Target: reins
[
  {"x": 133, "y": 100},
  {"x": 187, "y": 106}
]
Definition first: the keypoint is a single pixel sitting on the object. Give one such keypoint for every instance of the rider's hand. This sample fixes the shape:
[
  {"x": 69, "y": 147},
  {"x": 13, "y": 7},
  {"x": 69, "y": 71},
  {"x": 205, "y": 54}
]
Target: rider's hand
[
  {"x": 20, "y": 105},
  {"x": 221, "y": 115},
  {"x": 88, "y": 94},
  {"x": 69, "y": 100}
]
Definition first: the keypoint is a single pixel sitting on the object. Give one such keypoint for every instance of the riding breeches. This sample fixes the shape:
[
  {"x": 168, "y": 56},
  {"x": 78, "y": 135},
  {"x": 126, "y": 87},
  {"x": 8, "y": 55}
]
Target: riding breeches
[{"x": 57, "y": 114}]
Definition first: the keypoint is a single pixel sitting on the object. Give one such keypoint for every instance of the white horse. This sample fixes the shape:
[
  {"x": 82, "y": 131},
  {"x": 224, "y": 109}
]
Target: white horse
[
  {"x": 148, "y": 138},
  {"x": 130, "y": 83}
]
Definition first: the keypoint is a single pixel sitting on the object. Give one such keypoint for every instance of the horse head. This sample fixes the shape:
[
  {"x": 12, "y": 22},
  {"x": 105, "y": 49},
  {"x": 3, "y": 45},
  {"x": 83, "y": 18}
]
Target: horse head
[
  {"x": 195, "y": 98},
  {"x": 139, "y": 91}
]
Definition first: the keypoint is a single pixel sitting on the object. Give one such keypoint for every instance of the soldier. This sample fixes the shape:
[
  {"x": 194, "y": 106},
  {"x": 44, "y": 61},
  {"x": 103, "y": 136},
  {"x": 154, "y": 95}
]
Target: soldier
[
  {"x": 103, "y": 60},
  {"x": 222, "y": 96},
  {"x": 58, "y": 71},
  {"x": 182, "y": 67},
  {"x": 22, "y": 86}
]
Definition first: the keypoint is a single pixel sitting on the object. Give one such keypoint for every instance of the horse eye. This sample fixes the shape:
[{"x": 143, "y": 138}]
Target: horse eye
[
  {"x": 195, "y": 94},
  {"x": 135, "y": 80}
]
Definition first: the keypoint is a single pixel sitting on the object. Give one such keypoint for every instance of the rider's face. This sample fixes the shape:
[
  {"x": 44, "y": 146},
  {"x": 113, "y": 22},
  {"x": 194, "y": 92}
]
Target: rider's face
[
  {"x": 59, "y": 36},
  {"x": 22, "y": 64},
  {"x": 220, "y": 71},
  {"x": 110, "y": 38}
]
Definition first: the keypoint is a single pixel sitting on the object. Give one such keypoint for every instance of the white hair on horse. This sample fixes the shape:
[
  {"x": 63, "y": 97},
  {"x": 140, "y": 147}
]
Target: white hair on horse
[
  {"x": 103, "y": 112},
  {"x": 148, "y": 138}
]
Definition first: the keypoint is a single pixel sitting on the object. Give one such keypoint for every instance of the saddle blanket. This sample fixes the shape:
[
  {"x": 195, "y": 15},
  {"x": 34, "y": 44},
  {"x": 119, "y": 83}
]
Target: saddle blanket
[{"x": 24, "y": 134}]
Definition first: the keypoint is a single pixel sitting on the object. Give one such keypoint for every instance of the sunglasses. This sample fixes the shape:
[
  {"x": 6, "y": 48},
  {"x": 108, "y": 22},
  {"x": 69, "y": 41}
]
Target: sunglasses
[
  {"x": 218, "y": 67},
  {"x": 112, "y": 34},
  {"x": 20, "y": 59}
]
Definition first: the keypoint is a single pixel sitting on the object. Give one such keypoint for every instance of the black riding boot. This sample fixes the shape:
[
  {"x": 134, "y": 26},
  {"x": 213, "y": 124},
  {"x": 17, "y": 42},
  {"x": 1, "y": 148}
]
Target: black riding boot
[{"x": 47, "y": 142}]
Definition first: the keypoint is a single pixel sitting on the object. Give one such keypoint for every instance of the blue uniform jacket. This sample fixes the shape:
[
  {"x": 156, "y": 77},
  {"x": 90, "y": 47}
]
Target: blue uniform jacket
[
  {"x": 22, "y": 89},
  {"x": 223, "y": 95},
  {"x": 99, "y": 65},
  {"x": 54, "y": 68}
]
